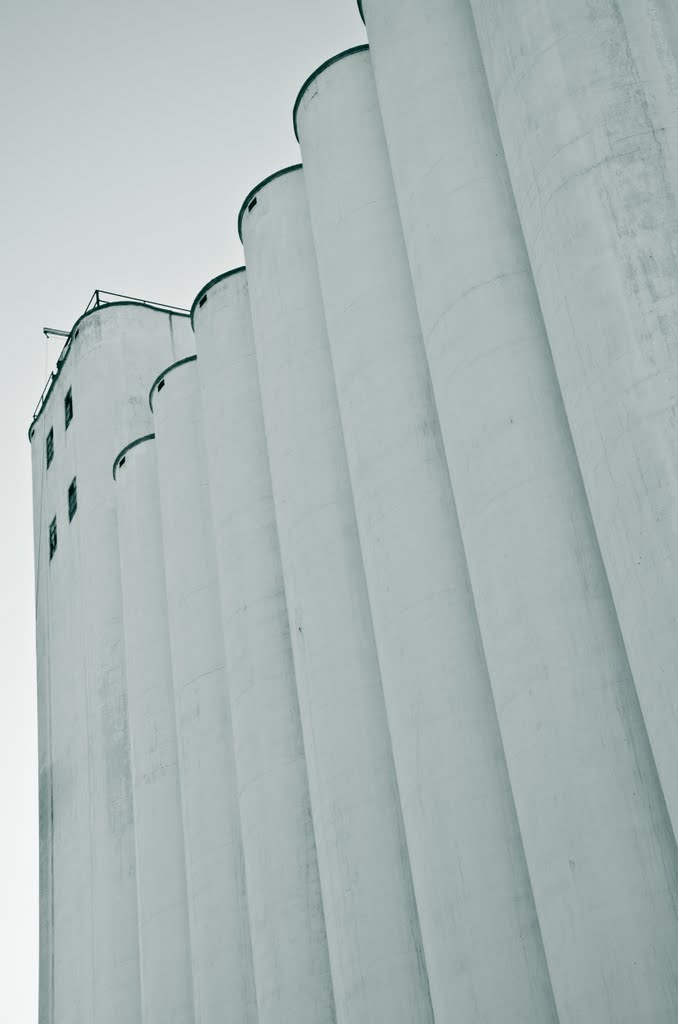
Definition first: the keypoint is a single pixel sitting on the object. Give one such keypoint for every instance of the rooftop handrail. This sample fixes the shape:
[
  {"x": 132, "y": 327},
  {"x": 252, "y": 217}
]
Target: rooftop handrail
[{"x": 97, "y": 301}]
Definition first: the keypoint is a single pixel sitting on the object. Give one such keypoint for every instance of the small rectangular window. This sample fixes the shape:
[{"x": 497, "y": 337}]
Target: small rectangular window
[
  {"x": 52, "y": 538},
  {"x": 252, "y": 204},
  {"x": 72, "y": 499},
  {"x": 68, "y": 407},
  {"x": 203, "y": 300},
  {"x": 49, "y": 446},
  {"x": 161, "y": 384}
]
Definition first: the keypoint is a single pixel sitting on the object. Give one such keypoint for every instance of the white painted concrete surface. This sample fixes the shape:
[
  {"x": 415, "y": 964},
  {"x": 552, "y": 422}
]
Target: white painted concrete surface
[
  {"x": 164, "y": 941},
  {"x": 66, "y": 965},
  {"x": 223, "y": 980},
  {"x": 372, "y": 927},
  {"x": 537, "y": 215},
  {"x": 45, "y": 688},
  {"x": 89, "y": 914},
  {"x": 481, "y": 937},
  {"x": 287, "y": 923},
  {"x": 587, "y": 111},
  {"x": 564, "y": 691}
]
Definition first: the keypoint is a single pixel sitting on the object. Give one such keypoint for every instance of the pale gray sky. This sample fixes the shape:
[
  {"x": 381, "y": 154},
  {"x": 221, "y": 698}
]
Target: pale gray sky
[{"x": 131, "y": 132}]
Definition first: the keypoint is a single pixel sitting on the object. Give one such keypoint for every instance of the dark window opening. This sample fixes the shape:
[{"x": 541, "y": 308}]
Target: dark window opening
[
  {"x": 52, "y": 538},
  {"x": 49, "y": 446},
  {"x": 161, "y": 384},
  {"x": 203, "y": 300},
  {"x": 122, "y": 461},
  {"x": 77, "y": 333},
  {"x": 68, "y": 407},
  {"x": 72, "y": 499},
  {"x": 250, "y": 206}
]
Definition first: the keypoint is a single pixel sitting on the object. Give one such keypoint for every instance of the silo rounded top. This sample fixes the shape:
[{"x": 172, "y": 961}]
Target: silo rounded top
[
  {"x": 257, "y": 188},
  {"x": 159, "y": 380},
  {"x": 72, "y": 336},
  {"x": 122, "y": 454},
  {"x": 201, "y": 297},
  {"x": 318, "y": 71}
]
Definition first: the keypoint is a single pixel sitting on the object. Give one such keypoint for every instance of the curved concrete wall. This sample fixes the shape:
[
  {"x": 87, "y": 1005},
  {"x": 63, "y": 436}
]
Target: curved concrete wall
[
  {"x": 549, "y": 626},
  {"x": 164, "y": 944},
  {"x": 547, "y": 615},
  {"x": 60, "y": 982},
  {"x": 372, "y": 926},
  {"x": 222, "y": 967},
  {"x": 481, "y": 937},
  {"x": 292, "y": 977},
  {"x": 590, "y": 145},
  {"x": 421, "y": 564},
  {"x": 89, "y": 918}
]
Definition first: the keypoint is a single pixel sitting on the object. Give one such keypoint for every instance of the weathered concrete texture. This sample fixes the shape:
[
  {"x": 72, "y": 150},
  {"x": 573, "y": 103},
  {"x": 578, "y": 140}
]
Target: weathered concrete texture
[
  {"x": 220, "y": 941},
  {"x": 45, "y": 688},
  {"x": 164, "y": 942},
  {"x": 481, "y": 938},
  {"x": 563, "y": 688},
  {"x": 287, "y": 924},
  {"x": 421, "y": 627},
  {"x": 89, "y": 944},
  {"x": 372, "y": 927},
  {"x": 586, "y": 104},
  {"x": 65, "y": 845}
]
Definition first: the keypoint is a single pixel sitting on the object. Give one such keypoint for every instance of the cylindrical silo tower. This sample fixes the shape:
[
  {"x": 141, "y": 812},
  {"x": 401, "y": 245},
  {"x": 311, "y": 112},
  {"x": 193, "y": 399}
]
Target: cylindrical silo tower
[
  {"x": 481, "y": 937},
  {"x": 54, "y": 685},
  {"x": 547, "y": 619},
  {"x": 588, "y": 129},
  {"x": 222, "y": 966},
  {"x": 44, "y": 723},
  {"x": 377, "y": 961},
  {"x": 164, "y": 945},
  {"x": 89, "y": 941},
  {"x": 287, "y": 925}
]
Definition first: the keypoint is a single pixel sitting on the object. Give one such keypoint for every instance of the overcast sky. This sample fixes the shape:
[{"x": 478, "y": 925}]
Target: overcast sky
[{"x": 131, "y": 133}]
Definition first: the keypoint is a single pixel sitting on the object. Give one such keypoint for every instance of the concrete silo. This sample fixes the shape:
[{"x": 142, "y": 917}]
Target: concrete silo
[
  {"x": 89, "y": 914},
  {"x": 375, "y": 950},
  {"x": 287, "y": 924},
  {"x": 564, "y": 691},
  {"x": 46, "y": 827},
  {"x": 63, "y": 726},
  {"x": 164, "y": 943},
  {"x": 220, "y": 940},
  {"x": 586, "y": 107},
  {"x": 479, "y": 926}
]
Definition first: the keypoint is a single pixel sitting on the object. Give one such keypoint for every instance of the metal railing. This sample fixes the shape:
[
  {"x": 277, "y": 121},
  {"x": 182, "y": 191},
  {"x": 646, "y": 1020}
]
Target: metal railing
[{"x": 111, "y": 297}]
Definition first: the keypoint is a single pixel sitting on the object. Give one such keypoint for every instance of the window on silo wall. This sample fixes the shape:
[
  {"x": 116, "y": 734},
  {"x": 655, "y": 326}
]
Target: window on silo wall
[
  {"x": 72, "y": 499},
  {"x": 68, "y": 407},
  {"x": 49, "y": 446},
  {"x": 52, "y": 538}
]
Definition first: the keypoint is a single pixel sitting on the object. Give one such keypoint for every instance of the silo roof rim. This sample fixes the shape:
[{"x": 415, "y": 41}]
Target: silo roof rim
[
  {"x": 257, "y": 188},
  {"x": 215, "y": 280},
  {"x": 168, "y": 369},
  {"x": 318, "y": 71},
  {"x": 132, "y": 444},
  {"x": 63, "y": 355}
]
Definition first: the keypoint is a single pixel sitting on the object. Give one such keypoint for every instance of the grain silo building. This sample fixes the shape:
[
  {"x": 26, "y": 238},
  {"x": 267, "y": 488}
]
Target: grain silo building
[{"x": 356, "y": 595}]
